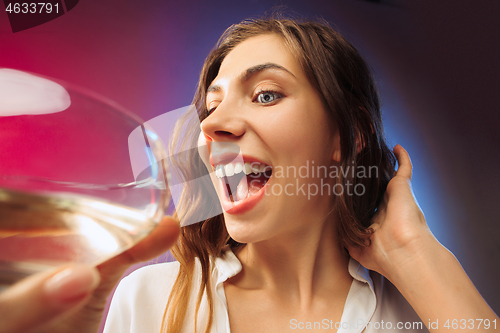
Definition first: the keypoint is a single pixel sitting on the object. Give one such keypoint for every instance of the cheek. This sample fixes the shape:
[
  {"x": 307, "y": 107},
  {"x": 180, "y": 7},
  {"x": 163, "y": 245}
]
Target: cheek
[
  {"x": 285, "y": 130},
  {"x": 314, "y": 130},
  {"x": 288, "y": 140},
  {"x": 300, "y": 136}
]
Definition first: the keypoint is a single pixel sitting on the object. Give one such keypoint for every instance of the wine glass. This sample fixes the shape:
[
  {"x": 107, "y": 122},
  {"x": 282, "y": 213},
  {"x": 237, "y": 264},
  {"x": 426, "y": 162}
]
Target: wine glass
[{"x": 81, "y": 179}]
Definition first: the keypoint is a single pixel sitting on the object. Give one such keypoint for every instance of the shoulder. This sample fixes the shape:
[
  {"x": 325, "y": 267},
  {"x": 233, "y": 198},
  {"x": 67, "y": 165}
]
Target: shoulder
[
  {"x": 151, "y": 277},
  {"x": 148, "y": 283},
  {"x": 393, "y": 308},
  {"x": 374, "y": 304},
  {"x": 140, "y": 299}
]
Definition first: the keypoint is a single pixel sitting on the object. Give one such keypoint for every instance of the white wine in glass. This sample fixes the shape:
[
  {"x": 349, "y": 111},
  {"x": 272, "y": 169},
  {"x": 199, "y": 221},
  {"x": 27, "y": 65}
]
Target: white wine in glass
[{"x": 81, "y": 179}]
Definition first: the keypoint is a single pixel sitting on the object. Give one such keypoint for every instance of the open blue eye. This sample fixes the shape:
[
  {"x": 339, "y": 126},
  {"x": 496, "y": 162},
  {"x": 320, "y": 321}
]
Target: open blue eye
[{"x": 266, "y": 97}]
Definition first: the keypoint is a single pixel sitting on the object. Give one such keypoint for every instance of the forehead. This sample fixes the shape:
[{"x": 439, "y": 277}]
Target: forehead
[{"x": 256, "y": 51}]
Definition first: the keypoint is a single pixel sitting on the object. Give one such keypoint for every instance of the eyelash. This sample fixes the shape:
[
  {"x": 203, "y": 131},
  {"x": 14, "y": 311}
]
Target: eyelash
[
  {"x": 268, "y": 91},
  {"x": 260, "y": 92},
  {"x": 209, "y": 111}
]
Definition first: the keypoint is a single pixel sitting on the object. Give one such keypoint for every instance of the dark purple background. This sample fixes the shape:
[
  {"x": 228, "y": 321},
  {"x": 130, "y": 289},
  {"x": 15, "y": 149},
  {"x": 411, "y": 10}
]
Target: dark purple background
[{"x": 436, "y": 63}]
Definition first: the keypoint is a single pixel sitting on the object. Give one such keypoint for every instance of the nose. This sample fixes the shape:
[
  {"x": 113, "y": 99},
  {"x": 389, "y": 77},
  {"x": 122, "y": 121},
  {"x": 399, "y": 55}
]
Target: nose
[{"x": 224, "y": 124}]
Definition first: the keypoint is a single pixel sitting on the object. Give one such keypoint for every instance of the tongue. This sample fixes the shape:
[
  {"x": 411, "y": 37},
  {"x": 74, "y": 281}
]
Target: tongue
[
  {"x": 242, "y": 189},
  {"x": 249, "y": 186}
]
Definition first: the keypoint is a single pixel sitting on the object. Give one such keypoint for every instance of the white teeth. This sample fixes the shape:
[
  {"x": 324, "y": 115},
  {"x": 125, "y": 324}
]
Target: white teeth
[
  {"x": 238, "y": 167},
  {"x": 247, "y": 168},
  {"x": 219, "y": 171},
  {"x": 229, "y": 170},
  {"x": 255, "y": 168}
]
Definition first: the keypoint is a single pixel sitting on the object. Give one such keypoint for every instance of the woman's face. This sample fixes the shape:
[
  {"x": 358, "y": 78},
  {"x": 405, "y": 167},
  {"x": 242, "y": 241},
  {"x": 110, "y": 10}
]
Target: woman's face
[{"x": 262, "y": 102}]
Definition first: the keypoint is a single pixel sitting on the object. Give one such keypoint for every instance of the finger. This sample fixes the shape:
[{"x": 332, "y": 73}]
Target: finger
[
  {"x": 404, "y": 162},
  {"x": 160, "y": 240},
  {"x": 45, "y": 297}
]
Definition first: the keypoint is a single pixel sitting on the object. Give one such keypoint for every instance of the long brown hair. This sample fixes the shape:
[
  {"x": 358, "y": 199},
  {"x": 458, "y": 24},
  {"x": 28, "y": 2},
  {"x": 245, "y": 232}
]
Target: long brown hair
[{"x": 346, "y": 87}]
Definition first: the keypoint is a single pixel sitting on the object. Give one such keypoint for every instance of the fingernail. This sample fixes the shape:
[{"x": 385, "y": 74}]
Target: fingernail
[{"x": 72, "y": 284}]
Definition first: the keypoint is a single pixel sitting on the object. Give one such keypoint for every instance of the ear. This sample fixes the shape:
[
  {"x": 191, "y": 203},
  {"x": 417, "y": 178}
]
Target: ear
[
  {"x": 336, "y": 146},
  {"x": 360, "y": 144},
  {"x": 361, "y": 139}
]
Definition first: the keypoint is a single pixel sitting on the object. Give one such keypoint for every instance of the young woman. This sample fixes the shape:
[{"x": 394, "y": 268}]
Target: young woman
[
  {"x": 344, "y": 247},
  {"x": 338, "y": 250}
]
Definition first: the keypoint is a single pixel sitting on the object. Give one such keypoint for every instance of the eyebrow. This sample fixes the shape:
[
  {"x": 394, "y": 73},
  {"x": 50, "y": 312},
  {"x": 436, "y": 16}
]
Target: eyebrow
[{"x": 251, "y": 72}]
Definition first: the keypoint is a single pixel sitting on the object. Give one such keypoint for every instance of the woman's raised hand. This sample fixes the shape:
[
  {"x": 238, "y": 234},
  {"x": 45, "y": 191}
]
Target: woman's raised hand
[
  {"x": 403, "y": 249},
  {"x": 73, "y": 298},
  {"x": 399, "y": 224}
]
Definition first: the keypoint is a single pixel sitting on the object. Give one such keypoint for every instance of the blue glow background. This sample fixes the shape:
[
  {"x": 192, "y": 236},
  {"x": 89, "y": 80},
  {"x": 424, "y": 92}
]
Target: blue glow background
[{"x": 436, "y": 64}]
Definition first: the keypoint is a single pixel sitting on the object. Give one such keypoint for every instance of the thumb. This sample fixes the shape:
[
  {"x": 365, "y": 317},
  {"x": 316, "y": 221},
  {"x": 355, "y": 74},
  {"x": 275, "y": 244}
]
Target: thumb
[{"x": 42, "y": 298}]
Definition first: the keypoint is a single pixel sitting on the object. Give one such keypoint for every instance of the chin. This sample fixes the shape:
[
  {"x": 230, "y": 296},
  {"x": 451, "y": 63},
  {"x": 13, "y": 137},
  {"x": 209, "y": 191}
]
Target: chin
[{"x": 243, "y": 232}]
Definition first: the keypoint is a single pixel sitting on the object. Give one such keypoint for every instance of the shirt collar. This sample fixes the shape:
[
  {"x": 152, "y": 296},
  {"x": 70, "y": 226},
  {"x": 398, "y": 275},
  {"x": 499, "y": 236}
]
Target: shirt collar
[
  {"x": 359, "y": 272},
  {"x": 229, "y": 265},
  {"x": 359, "y": 306}
]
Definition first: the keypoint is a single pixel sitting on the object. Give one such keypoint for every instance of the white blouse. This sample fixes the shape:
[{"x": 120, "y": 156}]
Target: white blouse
[{"x": 372, "y": 305}]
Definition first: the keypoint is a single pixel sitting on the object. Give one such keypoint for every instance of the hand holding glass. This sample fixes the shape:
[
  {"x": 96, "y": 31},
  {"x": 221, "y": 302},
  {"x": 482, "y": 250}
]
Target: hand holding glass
[{"x": 81, "y": 180}]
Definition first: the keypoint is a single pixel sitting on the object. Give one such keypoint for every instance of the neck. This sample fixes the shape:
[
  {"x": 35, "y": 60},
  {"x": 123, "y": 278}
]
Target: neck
[{"x": 302, "y": 265}]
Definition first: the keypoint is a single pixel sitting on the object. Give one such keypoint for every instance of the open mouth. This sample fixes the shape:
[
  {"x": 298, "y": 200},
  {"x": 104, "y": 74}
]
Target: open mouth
[{"x": 242, "y": 180}]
